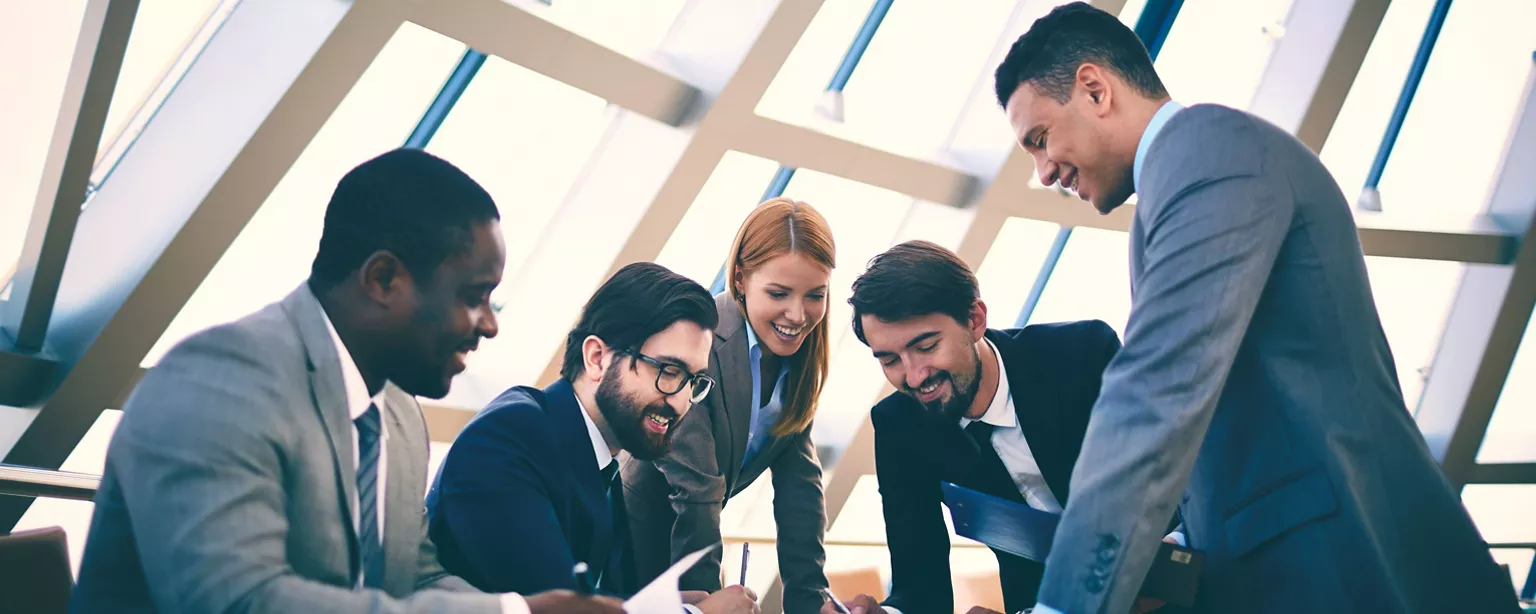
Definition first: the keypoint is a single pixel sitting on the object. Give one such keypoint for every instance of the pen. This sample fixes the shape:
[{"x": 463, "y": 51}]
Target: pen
[
  {"x": 583, "y": 578},
  {"x": 746, "y": 550},
  {"x": 835, "y": 603}
]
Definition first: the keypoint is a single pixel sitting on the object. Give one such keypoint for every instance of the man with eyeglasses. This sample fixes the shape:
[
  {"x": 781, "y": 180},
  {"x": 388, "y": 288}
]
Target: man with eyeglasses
[{"x": 530, "y": 486}]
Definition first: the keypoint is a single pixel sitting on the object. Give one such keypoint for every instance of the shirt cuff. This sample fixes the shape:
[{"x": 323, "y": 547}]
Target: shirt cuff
[
  {"x": 890, "y": 610},
  {"x": 1178, "y": 538},
  {"x": 513, "y": 603},
  {"x": 1041, "y": 608},
  {"x": 692, "y": 609}
]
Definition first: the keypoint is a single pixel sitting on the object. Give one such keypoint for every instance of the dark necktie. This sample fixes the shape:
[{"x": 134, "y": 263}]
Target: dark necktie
[
  {"x": 992, "y": 470},
  {"x": 981, "y": 434},
  {"x": 610, "y": 472},
  {"x": 370, "y": 547}
]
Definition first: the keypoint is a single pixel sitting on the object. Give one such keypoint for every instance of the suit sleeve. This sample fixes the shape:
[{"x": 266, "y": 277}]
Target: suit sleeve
[
  {"x": 915, "y": 533},
  {"x": 430, "y": 573},
  {"x": 800, "y": 511},
  {"x": 696, "y": 491},
  {"x": 200, "y": 462},
  {"x": 1207, "y": 259},
  {"x": 493, "y": 496}
]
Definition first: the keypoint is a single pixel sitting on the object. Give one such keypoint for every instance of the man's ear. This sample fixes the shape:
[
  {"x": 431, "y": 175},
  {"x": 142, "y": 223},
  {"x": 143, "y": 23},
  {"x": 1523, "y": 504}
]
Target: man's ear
[
  {"x": 1093, "y": 83},
  {"x": 978, "y": 320},
  {"x": 595, "y": 356},
  {"x": 384, "y": 277}
]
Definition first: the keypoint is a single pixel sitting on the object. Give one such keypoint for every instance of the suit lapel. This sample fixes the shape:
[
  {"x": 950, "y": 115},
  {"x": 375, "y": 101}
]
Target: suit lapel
[
  {"x": 402, "y": 495},
  {"x": 330, "y": 399},
  {"x": 571, "y": 429},
  {"x": 1033, "y": 405},
  {"x": 735, "y": 382}
]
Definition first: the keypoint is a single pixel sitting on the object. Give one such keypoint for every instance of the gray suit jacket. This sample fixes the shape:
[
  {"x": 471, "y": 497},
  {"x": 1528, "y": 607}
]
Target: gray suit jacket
[
  {"x": 1256, "y": 380},
  {"x": 229, "y": 482},
  {"x": 674, "y": 504}
]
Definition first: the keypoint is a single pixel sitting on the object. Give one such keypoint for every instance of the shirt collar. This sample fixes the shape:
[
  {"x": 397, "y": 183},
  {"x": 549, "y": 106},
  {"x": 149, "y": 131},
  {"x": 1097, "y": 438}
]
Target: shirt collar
[
  {"x": 351, "y": 379},
  {"x": 1000, "y": 412},
  {"x": 1159, "y": 119},
  {"x": 599, "y": 444}
]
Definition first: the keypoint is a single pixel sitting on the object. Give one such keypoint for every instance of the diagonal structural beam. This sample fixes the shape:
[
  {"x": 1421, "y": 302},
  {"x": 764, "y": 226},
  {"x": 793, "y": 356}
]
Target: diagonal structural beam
[
  {"x": 133, "y": 266},
  {"x": 88, "y": 93},
  {"x": 1488, "y": 318},
  {"x": 511, "y": 33},
  {"x": 735, "y": 104}
]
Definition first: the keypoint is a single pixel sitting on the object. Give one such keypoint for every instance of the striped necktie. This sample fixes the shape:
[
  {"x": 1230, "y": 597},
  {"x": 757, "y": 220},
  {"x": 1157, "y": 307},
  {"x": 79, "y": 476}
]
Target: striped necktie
[{"x": 370, "y": 546}]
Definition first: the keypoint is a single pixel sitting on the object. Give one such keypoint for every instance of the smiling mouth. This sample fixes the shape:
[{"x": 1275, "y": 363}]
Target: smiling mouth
[
  {"x": 787, "y": 331},
  {"x": 657, "y": 423}
]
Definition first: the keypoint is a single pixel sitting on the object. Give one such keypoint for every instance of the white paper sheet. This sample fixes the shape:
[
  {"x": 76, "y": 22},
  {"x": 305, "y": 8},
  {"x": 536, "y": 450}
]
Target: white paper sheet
[{"x": 662, "y": 596}]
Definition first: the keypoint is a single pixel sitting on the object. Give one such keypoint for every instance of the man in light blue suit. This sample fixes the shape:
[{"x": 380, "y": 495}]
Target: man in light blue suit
[{"x": 1255, "y": 378}]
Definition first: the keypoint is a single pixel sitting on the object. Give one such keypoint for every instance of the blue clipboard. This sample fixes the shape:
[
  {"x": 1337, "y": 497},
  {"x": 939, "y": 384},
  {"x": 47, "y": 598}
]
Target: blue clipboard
[
  {"x": 1026, "y": 532},
  {"x": 1009, "y": 526}
]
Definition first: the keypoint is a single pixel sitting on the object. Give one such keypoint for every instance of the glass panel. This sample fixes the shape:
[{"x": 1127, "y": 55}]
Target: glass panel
[
  {"x": 1484, "y": 47},
  {"x": 631, "y": 28},
  {"x": 526, "y": 138},
  {"x": 273, "y": 253},
  {"x": 89, "y": 456},
  {"x": 1502, "y": 511},
  {"x": 1413, "y": 298},
  {"x": 1511, "y": 436},
  {"x": 38, "y": 41},
  {"x": 917, "y": 43},
  {"x": 1009, "y": 270},
  {"x": 1217, "y": 50},
  {"x": 699, "y": 244},
  {"x": 162, "y": 33},
  {"x": 1091, "y": 282}
]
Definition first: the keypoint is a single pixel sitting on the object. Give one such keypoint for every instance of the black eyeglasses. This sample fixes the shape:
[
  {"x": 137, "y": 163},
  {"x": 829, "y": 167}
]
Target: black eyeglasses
[{"x": 671, "y": 379}]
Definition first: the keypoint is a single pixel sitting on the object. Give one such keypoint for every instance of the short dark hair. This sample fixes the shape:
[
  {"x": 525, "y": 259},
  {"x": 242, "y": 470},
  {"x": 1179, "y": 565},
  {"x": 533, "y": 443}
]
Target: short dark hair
[
  {"x": 640, "y": 300},
  {"x": 910, "y": 280},
  {"x": 1048, "y": 55},
  {"x": 408, "y": 202}
]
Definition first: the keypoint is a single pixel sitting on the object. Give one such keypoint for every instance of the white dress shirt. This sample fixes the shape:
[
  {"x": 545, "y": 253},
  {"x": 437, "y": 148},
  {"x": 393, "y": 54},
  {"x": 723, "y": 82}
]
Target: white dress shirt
[
  {"x": 357, "y": 404},
  {"x": 1008, "y": 440},
  {"x": 603, "y": 456}
]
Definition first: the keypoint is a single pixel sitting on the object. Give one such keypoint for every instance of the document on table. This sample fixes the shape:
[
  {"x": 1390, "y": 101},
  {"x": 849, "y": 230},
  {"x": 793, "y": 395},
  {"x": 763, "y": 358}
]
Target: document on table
[{"x": 662, "y": 594}]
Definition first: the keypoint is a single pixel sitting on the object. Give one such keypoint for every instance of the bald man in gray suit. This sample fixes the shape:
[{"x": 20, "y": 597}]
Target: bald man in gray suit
[{"x": 1255, "y": 378}]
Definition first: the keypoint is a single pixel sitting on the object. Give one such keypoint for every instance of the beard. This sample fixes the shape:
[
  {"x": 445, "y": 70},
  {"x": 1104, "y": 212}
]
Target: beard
[
  {"x": 626, "y": 416},
  {"x": 963, "y": 391}
]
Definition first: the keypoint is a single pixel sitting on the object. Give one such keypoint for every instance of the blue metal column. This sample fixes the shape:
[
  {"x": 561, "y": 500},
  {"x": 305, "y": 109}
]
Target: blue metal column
[
  {"x": 1370, "y": 197},
  {"x": 832, "y": 101},
  {"x": 775, "y": 190},
  {"x": 1152, "y": 27},
  {"x": 453, "y": 88}
]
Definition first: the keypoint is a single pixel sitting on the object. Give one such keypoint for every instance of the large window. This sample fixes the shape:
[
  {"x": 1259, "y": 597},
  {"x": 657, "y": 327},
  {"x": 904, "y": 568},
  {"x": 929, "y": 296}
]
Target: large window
[
  {"x": 1511, "y": 434},
  {"x": 272, "y": 255},
  {"x": 699, "y": 244},
  {"x": 525, "y": 137},
  {"x": 45, "y": 34},
  {"x": 1218, "y": 49},
  {"x": 1455, "y": 131}
]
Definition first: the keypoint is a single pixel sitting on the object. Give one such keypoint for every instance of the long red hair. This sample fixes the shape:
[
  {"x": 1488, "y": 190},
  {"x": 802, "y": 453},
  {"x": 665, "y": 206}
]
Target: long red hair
[{"x": 777, "y": 227}]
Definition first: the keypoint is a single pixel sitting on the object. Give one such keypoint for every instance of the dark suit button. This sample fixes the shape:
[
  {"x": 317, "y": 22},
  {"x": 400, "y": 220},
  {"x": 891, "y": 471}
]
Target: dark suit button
[
  {"x": 1094, "y": 585},
  {"x": 1106, "y": 555},
  {"x": 1108, "y": 542},
  {"x": 1101, "y": 572}
]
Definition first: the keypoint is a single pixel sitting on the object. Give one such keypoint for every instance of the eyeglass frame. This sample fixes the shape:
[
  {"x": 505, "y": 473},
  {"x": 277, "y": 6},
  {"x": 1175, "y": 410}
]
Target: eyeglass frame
[{"x": 685, "y": 382}]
